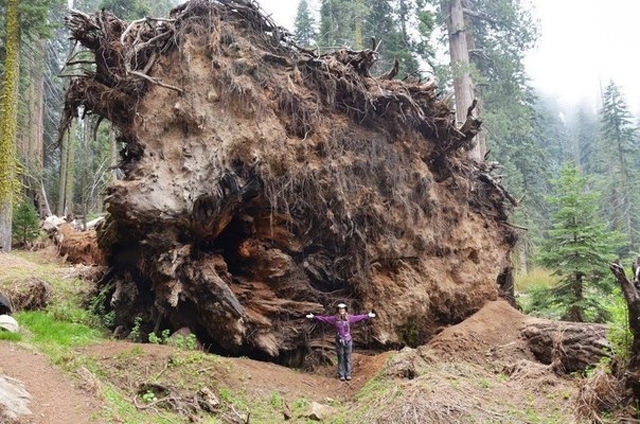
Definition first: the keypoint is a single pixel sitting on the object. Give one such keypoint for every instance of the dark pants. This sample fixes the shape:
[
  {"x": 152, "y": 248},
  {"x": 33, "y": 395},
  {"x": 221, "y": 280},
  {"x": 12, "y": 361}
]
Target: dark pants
[{"x": 343, "y": 349}]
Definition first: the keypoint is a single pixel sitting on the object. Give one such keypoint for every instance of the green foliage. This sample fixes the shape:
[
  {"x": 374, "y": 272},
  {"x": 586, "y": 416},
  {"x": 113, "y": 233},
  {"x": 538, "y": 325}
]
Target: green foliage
[
  {"x": 188, "y": 342},
  {"x": 276, "y": 400},
  {"x": 304, "y": 25},
  {"x": 149, "y": 396},
  {"x": 619, "y": 334},
  {"x": 409, "y": 332},
  {"x": 620, "y": 158},
  {"x": 402, "y": 28},
  {"x": 162, "y": 339},
  {"x": 535, "y": 300},
  {"x": 26, "y": 224},
  {"x": 136, "y": 331},
  {"x": 133, "y": 9},
  {"x": 578, "y": 249},
  {"x": 35, "y": 17}
]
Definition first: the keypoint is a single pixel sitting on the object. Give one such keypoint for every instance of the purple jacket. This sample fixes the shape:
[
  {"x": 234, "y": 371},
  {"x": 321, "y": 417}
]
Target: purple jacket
[{"x": 342, "y": 326}]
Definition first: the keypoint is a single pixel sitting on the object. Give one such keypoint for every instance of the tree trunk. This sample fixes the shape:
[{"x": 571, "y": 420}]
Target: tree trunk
[
  {"x": 31, "y": 139},
  {"x": 462, "y": 83},
  {"x": 66, "y": 173},
  {"x": 481, "y": 137},
  {"x": 64, "y": 146},
  {"x": 9, "y": 107},
  {"x": 632, "y": 297},
  {"x": 357, "y": 33}
]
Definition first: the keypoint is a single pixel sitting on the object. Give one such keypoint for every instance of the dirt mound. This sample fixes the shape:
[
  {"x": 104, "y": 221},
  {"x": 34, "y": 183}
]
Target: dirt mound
[
  {"x": 264, "y": 182},
  {"x": 500, "y": 338},
  {"x": 487, "y": 369},
  {"x": 492, "y": 333}
]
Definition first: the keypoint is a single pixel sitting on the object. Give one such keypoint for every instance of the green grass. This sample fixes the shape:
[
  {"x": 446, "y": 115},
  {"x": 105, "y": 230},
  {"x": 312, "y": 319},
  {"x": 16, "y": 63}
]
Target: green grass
[
  {"x": 537, "y": 276},
  {"x": 14, "y": 337},
  {"x": 55, "y": 337}
]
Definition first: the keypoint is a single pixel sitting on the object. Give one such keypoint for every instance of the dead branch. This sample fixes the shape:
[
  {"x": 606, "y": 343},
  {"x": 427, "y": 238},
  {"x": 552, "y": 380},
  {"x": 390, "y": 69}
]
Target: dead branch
[
  {"x": 156, "y": 82},
  {"x": 391, "y": 74},
  {"x": 497, "y": 186}
]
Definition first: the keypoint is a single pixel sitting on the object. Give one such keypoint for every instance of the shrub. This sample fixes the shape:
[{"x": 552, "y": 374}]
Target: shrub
[{"x": 26, "y": 224}]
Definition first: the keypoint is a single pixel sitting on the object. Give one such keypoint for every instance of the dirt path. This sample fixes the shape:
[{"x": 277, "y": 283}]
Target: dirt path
[{"x": 54, "y": 397}]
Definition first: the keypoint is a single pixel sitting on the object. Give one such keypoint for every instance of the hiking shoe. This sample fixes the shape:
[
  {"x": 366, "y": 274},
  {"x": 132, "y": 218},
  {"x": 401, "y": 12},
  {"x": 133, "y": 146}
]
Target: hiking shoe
[
  {"x": 348, "y": 377},
  {"x": 341, "y": 378}
]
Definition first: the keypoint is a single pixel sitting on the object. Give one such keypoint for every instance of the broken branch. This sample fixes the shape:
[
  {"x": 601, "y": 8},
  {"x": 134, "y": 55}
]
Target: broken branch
[{"x": 156, "y": 82}]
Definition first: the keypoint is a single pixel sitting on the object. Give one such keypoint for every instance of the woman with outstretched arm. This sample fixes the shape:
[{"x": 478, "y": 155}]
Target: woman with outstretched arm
[{"x": 342, "y": 321}]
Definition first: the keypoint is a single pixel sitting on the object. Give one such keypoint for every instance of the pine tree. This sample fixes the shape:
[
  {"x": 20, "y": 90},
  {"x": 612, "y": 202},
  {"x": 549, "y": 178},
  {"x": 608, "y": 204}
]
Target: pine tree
[
  {"x": 489, "y": 41},
  {"x": 401, "y": 29},
  {"x": 619, "y": 149},
  {"x": 304, "y": 26},
  {"x": 578, "y": 249},
  {"x": 584, "y": 137},
  {"x": 336, "y": 24},
  {"x": 26, "y": 225}
]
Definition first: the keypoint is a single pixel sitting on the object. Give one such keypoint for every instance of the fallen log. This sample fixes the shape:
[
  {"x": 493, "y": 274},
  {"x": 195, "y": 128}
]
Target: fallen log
[{"x": 567, "y": 346}]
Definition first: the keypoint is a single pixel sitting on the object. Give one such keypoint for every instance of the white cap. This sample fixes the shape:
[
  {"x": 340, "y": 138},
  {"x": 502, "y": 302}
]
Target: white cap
[
  {"x": 341, "y": 305},
  {"x": 8, "y": 323}
]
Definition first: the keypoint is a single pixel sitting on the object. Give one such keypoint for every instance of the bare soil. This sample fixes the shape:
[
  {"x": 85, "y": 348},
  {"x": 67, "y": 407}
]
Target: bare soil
[{"x": 56, "y": 398}]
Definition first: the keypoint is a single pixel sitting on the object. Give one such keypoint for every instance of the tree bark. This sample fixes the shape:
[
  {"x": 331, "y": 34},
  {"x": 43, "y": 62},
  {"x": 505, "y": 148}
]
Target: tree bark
[
  {"x": 31, "y": 138},
  {"x": 9, "y": 107},
  {"x": 567, "y": 346},
  {"x": 66, "y": 173},
  {"x": 462, "y": 83}
]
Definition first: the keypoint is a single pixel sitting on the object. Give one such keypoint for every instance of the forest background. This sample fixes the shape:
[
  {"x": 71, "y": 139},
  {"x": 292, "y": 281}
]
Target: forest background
[{"x": 572, "y": 172}]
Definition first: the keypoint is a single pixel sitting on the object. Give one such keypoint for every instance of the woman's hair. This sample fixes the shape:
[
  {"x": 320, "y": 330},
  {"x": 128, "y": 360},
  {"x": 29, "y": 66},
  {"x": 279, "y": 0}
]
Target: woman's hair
[{"x": 344, "y": 317}]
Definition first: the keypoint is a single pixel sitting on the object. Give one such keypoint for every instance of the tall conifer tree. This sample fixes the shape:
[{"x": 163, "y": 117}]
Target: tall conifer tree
[
  {"x": 304, "y": 25},
  {"x": 578, "y": 248},
  {"x": 619, "y": 149}
]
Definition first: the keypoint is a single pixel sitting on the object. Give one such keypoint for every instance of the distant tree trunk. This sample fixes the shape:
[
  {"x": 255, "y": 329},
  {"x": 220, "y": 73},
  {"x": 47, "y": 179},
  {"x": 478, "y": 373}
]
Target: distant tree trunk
[
  {"x": 114, "y": 153},
  {"x": 632, "y": 297},
  {"x": 31, "y": 140},
  {"x": 66, "y": 173},
  {"x": 64, "y": 146},
  {"x": 462, "y": 83},
  {"x": 8, "y": 125},
  {"x": 481, "y": 138},
  {"x": 521, "y": 249},
  {"x": 358, "y": 38}
]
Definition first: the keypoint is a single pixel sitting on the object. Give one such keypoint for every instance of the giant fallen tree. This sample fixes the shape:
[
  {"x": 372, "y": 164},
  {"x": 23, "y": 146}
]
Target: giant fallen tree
[{"x": 264, "y": 181}]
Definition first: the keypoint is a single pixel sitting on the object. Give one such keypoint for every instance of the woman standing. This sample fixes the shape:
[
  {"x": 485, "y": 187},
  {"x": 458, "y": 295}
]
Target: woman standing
[{"x": 344, "y": 343}]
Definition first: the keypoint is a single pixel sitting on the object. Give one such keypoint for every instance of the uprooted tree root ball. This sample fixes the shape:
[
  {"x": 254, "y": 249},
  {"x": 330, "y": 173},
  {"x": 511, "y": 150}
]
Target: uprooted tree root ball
[{"x": 264, "y": 181}]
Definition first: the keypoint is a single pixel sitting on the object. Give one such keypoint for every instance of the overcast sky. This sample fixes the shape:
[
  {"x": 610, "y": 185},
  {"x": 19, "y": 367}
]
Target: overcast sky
[{"x": 582, "y": 45}]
